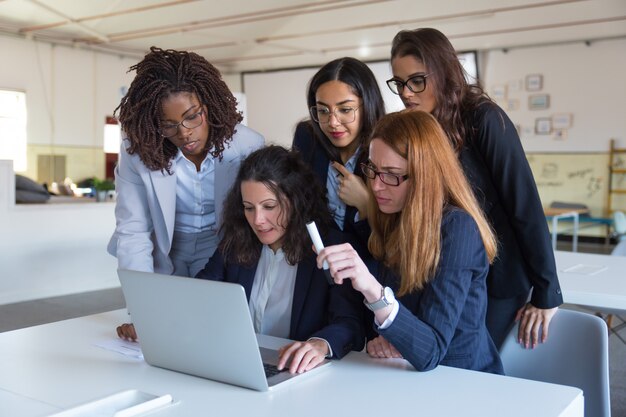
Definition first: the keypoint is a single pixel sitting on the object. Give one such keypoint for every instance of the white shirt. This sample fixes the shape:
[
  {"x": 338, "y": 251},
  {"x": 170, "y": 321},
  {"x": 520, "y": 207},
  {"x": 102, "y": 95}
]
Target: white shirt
[
  {"x": 195, "y": 195},
  {"x": 395, "y": 308},
  {"x": 271, "y": 296}
]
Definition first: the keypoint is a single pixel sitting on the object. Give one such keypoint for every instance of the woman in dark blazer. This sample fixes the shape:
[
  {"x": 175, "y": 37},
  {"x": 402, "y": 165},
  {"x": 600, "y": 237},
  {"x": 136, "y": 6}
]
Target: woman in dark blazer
[
  {"x": 428, "y": 76},
  {"x": 267, "y": 250},
  {"x": 434, "y": 246},
  {"x": 344, "y": 103}
]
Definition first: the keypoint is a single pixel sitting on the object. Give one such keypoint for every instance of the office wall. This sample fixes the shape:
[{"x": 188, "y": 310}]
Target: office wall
[
  {"x": 583, "y": 81},
  {"x": 69, "y": 92},
  {"x": 586, "y": 82}
]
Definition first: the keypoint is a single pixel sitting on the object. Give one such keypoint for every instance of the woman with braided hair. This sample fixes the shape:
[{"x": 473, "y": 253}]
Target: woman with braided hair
[{"x": 181, "y": 152}]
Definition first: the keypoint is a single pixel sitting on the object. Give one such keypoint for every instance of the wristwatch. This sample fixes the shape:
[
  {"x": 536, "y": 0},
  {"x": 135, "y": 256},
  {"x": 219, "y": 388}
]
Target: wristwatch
[{"x": 386, "y": 298}]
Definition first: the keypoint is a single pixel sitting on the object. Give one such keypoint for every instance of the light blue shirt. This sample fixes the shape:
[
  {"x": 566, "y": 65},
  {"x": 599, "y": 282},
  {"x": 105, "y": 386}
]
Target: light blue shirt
[
  {"x": 336, "y": 205},
  {"x": 195, "y": 195}
]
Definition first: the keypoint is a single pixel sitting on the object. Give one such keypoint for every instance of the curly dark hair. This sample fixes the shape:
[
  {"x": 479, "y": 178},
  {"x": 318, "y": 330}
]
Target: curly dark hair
[
  {"x": 362, "y": 82},
  {"x": 159, "y": 74},
  {"x": 455, "y": 96},
  {"x": 300, "y": 196}
]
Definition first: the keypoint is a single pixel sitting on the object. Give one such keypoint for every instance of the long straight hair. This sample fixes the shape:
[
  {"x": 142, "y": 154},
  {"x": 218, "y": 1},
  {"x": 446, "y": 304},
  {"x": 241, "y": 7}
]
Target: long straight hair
[{"x": 409, "y": 242}]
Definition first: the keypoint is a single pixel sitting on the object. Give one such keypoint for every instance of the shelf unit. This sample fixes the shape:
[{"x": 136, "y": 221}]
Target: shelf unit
[{"x": 617, "y": 167}]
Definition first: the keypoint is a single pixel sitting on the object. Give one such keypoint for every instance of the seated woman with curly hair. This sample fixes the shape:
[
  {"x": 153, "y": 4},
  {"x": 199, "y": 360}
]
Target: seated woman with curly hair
[{"x": 267, "y": 250}]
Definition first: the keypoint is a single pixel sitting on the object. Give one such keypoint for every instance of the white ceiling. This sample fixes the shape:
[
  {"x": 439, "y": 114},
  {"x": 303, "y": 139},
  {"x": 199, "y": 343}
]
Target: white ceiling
[{"x": 246, "y": 35}]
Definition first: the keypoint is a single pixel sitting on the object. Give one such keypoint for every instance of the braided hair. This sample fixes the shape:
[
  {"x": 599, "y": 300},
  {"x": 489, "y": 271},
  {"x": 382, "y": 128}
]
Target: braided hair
[{"x": 164, "y": 72}]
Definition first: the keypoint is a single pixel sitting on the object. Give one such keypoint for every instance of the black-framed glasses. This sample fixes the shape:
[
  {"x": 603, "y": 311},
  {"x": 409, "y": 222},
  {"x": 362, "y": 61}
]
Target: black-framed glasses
[
  {"x": 343, "y": 114},
  {"x": 190, "y": 122},
  {"x": 416, "y": 84},
  {"x": 386, "y": 177}
]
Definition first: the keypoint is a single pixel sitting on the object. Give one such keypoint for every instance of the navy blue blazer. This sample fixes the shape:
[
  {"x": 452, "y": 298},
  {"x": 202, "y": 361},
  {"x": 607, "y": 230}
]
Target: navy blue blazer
[
  {"x": 312, "y": 152},
  {"x": 333, "y": 313},
  {"x": 444, "y": 323}
]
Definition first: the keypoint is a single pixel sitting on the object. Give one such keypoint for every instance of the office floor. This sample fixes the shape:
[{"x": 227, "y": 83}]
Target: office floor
[{"x": 32, "y": 313}]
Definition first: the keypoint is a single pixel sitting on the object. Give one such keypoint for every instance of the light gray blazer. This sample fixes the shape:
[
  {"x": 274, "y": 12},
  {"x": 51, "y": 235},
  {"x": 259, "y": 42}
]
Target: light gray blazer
[{"x": 146, "y": 204}]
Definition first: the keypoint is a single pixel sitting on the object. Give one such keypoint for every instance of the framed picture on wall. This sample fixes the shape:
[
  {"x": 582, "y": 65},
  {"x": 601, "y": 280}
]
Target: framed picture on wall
[
  {"x": 512, "y": 104},
  {"x": 534, "y": 82},
  {"x": 559, "y": 134},
  {"x": 562, "y": 121},
  {"x": 543, "y": 126},
  {"x": 499, "y": 92},
  {"x": 539, "y": 101}
]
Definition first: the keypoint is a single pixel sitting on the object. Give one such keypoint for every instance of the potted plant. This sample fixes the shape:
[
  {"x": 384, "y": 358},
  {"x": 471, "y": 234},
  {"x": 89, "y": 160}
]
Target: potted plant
[{"x": 102, "y": 188}]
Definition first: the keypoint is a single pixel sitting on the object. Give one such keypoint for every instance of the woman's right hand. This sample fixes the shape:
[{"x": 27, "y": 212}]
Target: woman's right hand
[
  {"x": 352, "y": 190},
  {"x": 127, "y": 332},
  {"x": 345, "y": 263}
]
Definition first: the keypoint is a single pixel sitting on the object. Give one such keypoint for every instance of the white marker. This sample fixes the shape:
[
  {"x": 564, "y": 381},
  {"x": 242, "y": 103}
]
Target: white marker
[{"x": 317, "y": 242}]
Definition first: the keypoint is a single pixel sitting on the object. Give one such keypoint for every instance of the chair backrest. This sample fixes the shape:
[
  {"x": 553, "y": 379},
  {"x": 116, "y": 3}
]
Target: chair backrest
[
  {"x": 619, "y": 224},
  {"x": 620, "y": 249},
  {"x": 575, "y": 354}
]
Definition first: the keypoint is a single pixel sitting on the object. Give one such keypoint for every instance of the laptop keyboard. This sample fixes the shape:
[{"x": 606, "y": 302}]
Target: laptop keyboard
[{"x": 271, "y": 370}]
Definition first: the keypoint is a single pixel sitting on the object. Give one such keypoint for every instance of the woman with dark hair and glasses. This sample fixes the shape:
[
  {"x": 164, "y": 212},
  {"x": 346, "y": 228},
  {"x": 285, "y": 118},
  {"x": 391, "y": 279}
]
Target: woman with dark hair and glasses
[
  {"x": 267, "y": 250},
  {"x": 428, "y": 76},
  {"x": 344, "y": 103},
  {"x": 182, "y": 147},
  {"x": 434, "y": 245}
]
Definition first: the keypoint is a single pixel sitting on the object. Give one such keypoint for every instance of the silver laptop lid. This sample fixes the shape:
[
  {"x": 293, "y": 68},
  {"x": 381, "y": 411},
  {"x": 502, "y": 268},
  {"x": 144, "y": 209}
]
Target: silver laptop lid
[{"x": 194, "y": 326}]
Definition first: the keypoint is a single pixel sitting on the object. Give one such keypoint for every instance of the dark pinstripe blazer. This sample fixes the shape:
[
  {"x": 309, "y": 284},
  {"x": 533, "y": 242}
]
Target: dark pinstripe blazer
[{"x": 445, "y": 322}]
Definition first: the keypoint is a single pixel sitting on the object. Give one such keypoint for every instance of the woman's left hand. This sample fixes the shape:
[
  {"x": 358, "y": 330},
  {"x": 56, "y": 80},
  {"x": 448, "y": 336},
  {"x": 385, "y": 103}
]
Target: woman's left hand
[
  {"x": 379, "y": 347},
  {"x": 531, "y": 319},
  {"x": 352, "y": 190},
  {"x": 304, "y": 355}
]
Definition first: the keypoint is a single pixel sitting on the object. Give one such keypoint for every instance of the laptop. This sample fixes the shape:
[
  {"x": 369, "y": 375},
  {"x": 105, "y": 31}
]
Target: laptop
[{"x": 201, "y": 328}]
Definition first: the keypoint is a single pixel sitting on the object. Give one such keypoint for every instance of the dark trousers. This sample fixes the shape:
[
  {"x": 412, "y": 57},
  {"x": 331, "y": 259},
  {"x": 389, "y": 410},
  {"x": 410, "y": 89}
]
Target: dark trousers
[{"x": 501, "y": 316}]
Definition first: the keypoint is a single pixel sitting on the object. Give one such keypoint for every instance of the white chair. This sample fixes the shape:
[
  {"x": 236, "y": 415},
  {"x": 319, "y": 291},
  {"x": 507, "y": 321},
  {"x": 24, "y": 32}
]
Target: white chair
[{"x": 575, "y": 354}]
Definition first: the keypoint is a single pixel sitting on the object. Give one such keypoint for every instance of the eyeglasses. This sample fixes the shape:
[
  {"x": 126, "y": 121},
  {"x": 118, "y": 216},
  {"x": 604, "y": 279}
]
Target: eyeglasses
[
  {"x": 416, "y": 84},
  {"x": 343, "y": 114},
  {"x": 386, "y": 177},
  {"x": 190, "y": 122}
]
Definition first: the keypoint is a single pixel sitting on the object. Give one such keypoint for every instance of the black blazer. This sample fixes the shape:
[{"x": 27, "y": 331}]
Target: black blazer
[
  {"x": 495, "y": 164},
  {"x": 312, "y": 152},
  {"x": 333, "y": 313}
]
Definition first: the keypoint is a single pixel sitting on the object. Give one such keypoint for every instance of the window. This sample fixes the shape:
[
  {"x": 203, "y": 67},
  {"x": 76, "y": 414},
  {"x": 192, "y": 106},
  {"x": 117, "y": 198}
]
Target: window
[{"x": 13, "y": 128}]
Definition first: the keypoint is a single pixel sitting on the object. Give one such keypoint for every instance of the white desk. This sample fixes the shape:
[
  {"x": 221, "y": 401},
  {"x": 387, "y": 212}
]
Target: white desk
[
  {"x": 604, "y": 290},
  {"x": 58, "y": 365}
]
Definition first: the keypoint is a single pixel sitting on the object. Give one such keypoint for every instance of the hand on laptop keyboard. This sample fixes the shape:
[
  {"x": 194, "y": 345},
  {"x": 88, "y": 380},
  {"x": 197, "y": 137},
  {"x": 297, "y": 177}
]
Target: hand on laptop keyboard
[
  {"x": 303, "y": 356},
  {"x": 271, "y": 370}
]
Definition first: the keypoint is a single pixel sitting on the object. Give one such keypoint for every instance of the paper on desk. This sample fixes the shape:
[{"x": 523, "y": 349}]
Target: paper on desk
[
  {"x": 124, "y": 347},
  {"x": 584, "y": 269}
]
